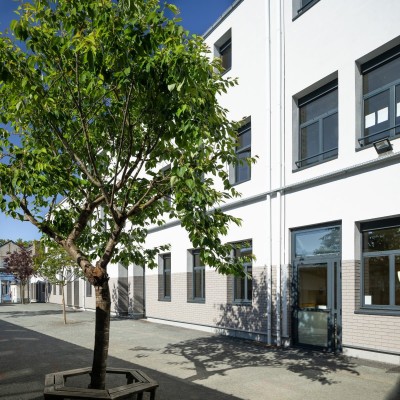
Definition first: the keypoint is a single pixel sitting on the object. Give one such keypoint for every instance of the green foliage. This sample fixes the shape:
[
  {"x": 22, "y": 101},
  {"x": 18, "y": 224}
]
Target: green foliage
[
  {"x": 105, "y": 95},
  {"x": 54, "y": 264}
]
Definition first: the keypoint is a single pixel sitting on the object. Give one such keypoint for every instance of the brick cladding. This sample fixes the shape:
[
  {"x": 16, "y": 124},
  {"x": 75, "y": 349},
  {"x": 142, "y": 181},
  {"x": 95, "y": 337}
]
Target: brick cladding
[{"x": 218, "y": 309}]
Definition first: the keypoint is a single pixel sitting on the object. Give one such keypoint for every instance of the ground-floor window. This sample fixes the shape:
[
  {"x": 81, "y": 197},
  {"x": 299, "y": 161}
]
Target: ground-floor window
[
  {"x": 167, "y": 275},
  {"x": 243, "y": 286},
  {"x": 380, "y": 272},
  {"x": 199, "y": 276},
  {"x": 88, "y": 289}
]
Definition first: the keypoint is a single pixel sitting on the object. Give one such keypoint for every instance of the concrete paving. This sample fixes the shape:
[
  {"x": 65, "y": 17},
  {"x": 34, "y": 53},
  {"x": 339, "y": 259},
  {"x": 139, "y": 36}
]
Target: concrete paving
[{"x": 188, "y": 364}]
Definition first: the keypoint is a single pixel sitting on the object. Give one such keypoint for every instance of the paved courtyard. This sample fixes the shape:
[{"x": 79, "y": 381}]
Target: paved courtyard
[{"x": 188, "y": 364}]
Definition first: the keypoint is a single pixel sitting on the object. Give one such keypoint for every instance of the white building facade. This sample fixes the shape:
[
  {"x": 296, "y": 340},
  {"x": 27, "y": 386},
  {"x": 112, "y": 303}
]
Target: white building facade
[{"x": 319, "y": 88}]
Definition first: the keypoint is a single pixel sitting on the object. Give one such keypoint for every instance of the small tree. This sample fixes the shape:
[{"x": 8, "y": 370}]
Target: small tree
[
  {"x": 57, "y": 267},
  {"x": 20, "y": 264},
  {"x": 103, "y": 94}
]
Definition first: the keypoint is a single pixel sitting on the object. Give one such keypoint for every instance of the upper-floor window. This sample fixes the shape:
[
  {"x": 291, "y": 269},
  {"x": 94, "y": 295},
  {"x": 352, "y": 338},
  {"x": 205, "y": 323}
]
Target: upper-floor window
[
  {"x": 381, "y": 97},
  {"x": 381, "y": 264},
  {"x": 167, "y": 198},
  {"x": 242, "y": 170},
  {"x": 301, "y": 6},
  {"x": 223, "y": 50},
  {"x": 318, "y": 126},
  {"x": 243, "y": 286}
]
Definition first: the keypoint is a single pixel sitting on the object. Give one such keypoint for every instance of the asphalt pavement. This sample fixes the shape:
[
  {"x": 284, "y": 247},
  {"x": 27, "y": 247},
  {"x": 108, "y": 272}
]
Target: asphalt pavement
[{"x": 188, "y": 364}]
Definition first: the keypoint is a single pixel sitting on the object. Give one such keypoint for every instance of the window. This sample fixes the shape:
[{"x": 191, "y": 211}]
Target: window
[
  {"x": 225, "y": 53},
  {"x": 317, "y": 242},
  {"x": 199, "y": 276},
  {"x": 301, "y": 6},
  {"x": 318, "y": 126},
  {"x": 167, "y": 275},
  {"x": 243, "y": 286},
  {"x": 242, "y": 170},
  {"x": 164, "y": 277},
  {"x": 381, "y": 264},
  {"x": 223, "y": 50},
  {"x": 381, "y": 97},
  {"x": 88, "y": 289},
  {"x": 168, "y": 196},
  {"x": 59, "y": 289}
]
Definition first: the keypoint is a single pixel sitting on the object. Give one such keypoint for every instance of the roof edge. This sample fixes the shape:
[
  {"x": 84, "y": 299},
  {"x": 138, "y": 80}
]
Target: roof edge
[{"x": 222, "y": 18}]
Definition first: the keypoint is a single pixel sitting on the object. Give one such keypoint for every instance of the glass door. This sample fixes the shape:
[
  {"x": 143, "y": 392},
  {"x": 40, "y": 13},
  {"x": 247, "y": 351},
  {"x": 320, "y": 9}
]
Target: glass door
[{"x": 317, "y": 304}]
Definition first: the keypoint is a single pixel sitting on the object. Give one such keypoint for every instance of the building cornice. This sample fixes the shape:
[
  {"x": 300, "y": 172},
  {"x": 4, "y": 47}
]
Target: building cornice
[{"x": 222, "y": 18}]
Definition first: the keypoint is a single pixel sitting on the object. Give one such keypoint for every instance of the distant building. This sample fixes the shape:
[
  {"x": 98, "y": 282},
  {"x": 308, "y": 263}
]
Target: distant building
[{"x": 9, "y": 289}]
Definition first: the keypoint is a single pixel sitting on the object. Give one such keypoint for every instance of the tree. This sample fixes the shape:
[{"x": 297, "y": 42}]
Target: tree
[
  {"x": 103, "y": 95},
  {"x": 57, "y": 267},
  {"x": 20, "y": 264}
]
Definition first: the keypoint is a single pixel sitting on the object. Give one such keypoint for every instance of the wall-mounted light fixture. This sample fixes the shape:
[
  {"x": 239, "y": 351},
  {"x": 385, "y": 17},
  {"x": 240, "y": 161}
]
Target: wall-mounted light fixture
[{"x": 383, "y": 145}]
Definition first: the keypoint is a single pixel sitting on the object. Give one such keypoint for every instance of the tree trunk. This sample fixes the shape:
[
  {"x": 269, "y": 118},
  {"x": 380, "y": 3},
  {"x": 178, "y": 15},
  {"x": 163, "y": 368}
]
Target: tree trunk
[
  {"x": 22, "y": 290},
  {"x": 102, "y": 336},
  {"x": 63, "y": 304},
  {"x": 28, "y": 291}
]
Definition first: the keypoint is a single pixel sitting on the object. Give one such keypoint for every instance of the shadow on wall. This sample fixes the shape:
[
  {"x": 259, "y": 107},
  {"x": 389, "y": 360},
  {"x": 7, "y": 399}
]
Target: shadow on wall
[
  {"x": 250, "y": 321},
  {"x": 122, "y": 300},
  {"x": 218, "y": 355},
  {"x": 245, "y": 316}
]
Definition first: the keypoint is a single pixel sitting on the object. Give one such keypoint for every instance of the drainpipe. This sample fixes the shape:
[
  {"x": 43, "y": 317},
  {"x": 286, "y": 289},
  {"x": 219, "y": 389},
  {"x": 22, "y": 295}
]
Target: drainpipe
[
  {"x": 269, "y": 184},
  {"x": 283, "y": 180},
  {"x": 280, "y": 131},
  {"x": 84, "y": 294}
]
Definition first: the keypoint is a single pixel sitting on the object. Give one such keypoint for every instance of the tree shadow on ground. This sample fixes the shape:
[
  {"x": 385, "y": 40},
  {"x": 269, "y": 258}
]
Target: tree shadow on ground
[
  {"x": 218, "y": 355},
  {"x": 23, "y": 367}
]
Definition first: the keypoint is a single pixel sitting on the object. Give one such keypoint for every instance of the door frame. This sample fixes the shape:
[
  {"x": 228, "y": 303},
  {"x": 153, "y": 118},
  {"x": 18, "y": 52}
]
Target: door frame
[{"x": 334, "y": 310}]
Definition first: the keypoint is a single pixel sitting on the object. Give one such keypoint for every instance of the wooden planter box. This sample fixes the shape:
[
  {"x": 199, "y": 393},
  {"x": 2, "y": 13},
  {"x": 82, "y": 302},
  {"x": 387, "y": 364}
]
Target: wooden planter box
[{"x": 137, "y": 383}]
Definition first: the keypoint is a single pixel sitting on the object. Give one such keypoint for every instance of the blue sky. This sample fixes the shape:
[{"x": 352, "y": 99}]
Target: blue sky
[{"x": 197, "y": 16}]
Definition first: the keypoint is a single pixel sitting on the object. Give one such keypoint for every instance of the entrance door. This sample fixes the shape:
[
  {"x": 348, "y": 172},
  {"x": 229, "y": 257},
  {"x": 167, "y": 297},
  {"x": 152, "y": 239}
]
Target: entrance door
[{"x": 317, "y": 311}]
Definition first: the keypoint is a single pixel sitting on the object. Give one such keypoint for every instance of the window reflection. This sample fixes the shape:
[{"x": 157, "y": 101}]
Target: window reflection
[
  {"x": 397, "y": 280},
  {"x": 376, "y": 281},
  {"x": 318, "y": 242},
  {"x": 313, "y": 291},
  {"x": 381, "y": 239}
]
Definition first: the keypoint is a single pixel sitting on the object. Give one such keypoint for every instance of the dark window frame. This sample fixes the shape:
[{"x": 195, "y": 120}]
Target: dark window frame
[
  {"x": 166, "y": 272},
  {"x": 202, "y": 268},
  {"x": 241, "y": 150},
  {"x": 246, "y": 299},
  {"x": 89, "y": 290},
  {"x": 323, "y": 155},
  {"x": 394, "y": 129},
  {"x": 305, "y": 6},
  {"x": 375, "y": 226},
  {"x": 168, "y": 196},
  {"x": 224, "y": 50}
]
